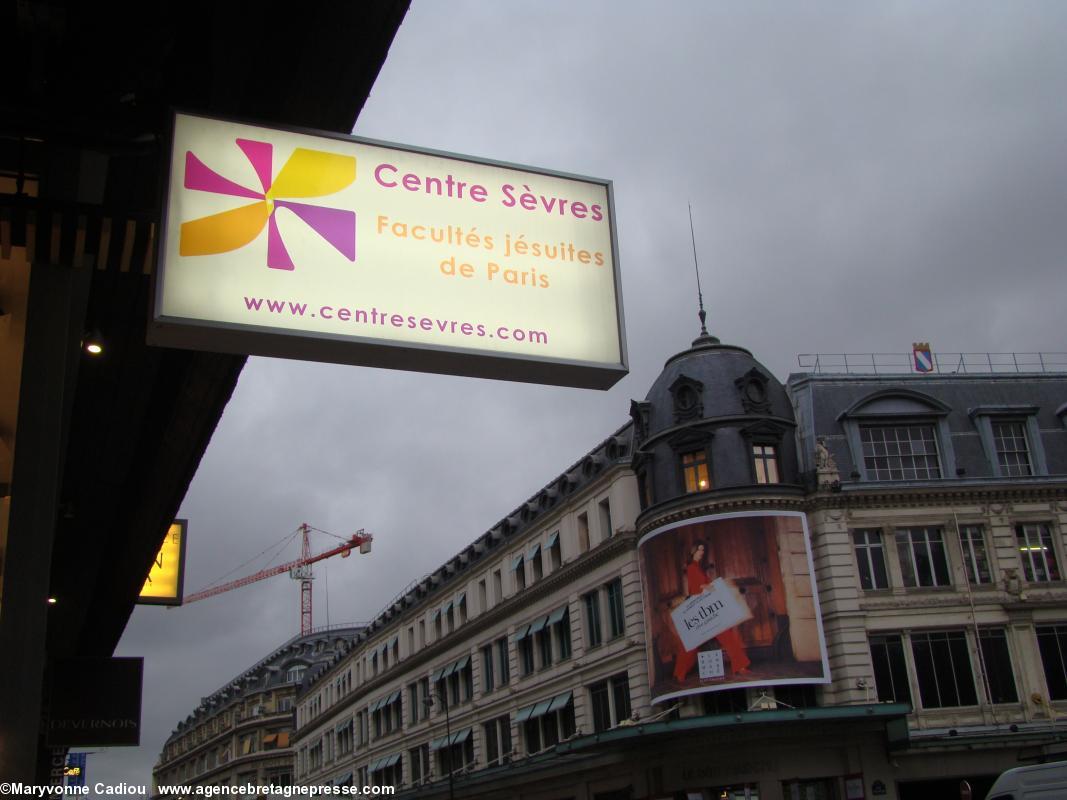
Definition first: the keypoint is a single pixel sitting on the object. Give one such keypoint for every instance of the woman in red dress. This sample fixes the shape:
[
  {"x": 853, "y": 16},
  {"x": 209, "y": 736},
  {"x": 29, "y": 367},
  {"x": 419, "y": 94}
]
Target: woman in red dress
[{"x": 697, "y": 580}]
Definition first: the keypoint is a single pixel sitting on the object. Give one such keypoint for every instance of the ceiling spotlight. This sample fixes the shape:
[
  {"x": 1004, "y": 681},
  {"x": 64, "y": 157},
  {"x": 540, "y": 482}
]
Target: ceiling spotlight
[
  {"x": 52, "y": 601},
  {"x": 93, "y": 342}
]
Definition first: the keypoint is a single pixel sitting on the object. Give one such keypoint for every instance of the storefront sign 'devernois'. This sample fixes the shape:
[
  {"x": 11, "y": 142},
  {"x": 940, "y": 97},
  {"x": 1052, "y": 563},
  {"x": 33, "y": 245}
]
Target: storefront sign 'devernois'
[{"x": 331, "y": 248}]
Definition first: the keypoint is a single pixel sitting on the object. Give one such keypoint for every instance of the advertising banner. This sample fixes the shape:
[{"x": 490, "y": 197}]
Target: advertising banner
[
  {"x": 730, "y": 602},
  {"x": 326, "y": 247}
]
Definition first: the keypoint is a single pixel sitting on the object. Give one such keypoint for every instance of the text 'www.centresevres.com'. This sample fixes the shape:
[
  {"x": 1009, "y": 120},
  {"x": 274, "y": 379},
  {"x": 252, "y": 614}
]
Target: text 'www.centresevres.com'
[{"x": 375, "y": 317}]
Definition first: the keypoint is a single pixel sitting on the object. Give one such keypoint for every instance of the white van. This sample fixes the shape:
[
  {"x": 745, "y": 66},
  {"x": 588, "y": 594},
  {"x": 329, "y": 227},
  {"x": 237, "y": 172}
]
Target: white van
[{"x": 1035, "y": 782}]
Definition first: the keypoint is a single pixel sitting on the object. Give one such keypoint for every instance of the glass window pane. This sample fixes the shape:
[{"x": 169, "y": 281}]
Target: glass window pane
[
  {"x": 996, "y": 663},
  {"x": 1052, "y": 644}
]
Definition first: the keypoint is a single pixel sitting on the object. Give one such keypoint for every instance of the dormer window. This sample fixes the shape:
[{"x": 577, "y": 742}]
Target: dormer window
[
  {"x": 765, "y": 463},
  {"x": 695, "y": 471},
  {"x": 1013, "y": 455},
  {"x": 687, "y": 395},
  {"x": 900, "y": 452},
  {"x": 899, "y": 435},
  {"x": 1011, "y": 440}
]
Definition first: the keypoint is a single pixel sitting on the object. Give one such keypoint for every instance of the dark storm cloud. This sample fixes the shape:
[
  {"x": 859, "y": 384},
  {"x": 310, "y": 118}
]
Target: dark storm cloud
[{"x": 862, "y": 176}]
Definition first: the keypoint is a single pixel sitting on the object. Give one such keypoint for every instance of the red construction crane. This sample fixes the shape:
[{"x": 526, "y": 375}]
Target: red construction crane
[{"x": 300, "y": 570}]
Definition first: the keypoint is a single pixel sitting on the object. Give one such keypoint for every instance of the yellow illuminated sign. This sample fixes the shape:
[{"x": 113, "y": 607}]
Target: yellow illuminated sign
[{"x": 166, "y": 577}]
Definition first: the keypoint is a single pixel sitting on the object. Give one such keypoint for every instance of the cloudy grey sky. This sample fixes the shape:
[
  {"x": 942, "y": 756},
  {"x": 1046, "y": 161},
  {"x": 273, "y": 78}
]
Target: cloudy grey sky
[{"x": 862, "y": 176}]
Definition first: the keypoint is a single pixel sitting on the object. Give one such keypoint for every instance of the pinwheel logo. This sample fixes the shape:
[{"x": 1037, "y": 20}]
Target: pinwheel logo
[{"x": 307, "y": 173}]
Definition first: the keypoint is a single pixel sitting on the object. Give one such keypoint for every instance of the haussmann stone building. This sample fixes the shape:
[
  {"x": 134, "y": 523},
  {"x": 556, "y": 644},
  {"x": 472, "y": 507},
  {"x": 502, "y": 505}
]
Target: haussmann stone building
[{"x": 893, "y": 546}]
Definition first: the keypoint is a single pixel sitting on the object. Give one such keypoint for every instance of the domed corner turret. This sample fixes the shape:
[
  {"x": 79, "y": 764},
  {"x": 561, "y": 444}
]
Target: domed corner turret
[{"x": 715, "y": 423}]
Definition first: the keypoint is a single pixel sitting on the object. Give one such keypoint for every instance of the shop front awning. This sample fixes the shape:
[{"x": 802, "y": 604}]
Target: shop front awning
[{"x": 889, "y": 714}]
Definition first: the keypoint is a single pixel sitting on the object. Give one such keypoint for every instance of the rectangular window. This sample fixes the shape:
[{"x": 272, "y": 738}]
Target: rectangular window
[
  {"x": 1013, "y": 455},
  {"x": 503, "y": 660},
  {"x": 593, "y": 634},
  {"x": 870, "y": 559},
  {"x": 518, "y": 566},
  {"x": 996, "y": 664},
  {"x": 461, "y": 609},
  {"x": 616, "y": 614},
  {"x": 943, "y": 668},
  {"x": 535, "y": 562},
  {"x": 526, "y": 655},
  {"x": 583, "y": 533},
  {"x": 413, "y": 703},
  {"x": 419, "y": 757},
  {"x": 487, "y": 669},
  {"x": 922, "y": 557},
  {"x": 497, "y": 741},
  {"x": 610, "y": 702},
  {"x": 483, "y": 596},
  {"x": 424, "y": 696},
  {"x": 890, "y": 669},
  {"x": 725, "y": 701},
  {"x": 1036, "y": 553},
  {"x": 544, "y": 647},
  {"x": 695, "y": 471},
  {"x": 606, "y": 531},
  {"x": 555, "y": 553},
  {"x": 794, "y": 696},
  {"x": 900, "y": 452},
  {"x": 498, "y": 586},
  {"x": 563, "y": 635},
  {"x": 765, "y": 460},
  {"x": 1052, "y": 644},
  {"x": 975, "y": 557}
]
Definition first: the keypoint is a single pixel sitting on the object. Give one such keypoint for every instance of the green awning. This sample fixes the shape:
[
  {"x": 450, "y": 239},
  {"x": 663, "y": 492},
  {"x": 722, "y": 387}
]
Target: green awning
[
  {"x": 552, "y": 541},
  {"x": 344, "y": 780},
  {"x": 461, "y": 598},
  {"x": 516, "y": 561},
  {"x": 437, "y": 744},
  {"x": 523, "y": 714},
  {"x": 538, "y": 624},
  {"x": 520, "y": 633},
  {"x": 394, "y": 641},
  {"x": 560, "y": 701},
  {"x": 390, "y": 761},
  {"x": 462, "y": 663},
  {"x": 448, "y": 670},
  {"x": 446, "y": 607},
  {"x": 436, "y": 676},
  {"x": 375, "y": 765},
  {"x": 393, "y": 697},
  {"x": 557, "y": 615},
  {"x": 375, "y": 705},
  {"x": 461, "y": 736},
  {"x": 540, "y": 709},
  {"x": 436, "y": 614},
  {"x": 533, "y": 551}
]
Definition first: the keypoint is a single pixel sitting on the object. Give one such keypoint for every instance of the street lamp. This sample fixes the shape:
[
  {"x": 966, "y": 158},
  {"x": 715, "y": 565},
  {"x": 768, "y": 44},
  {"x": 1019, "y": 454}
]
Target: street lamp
[{"x": 428, "y": 702}]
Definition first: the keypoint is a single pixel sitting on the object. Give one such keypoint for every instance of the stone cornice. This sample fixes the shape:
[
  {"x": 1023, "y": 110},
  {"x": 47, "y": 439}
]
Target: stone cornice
[
  {"x": 915, "y": 496},
  {"x": 779, "y": 497}
]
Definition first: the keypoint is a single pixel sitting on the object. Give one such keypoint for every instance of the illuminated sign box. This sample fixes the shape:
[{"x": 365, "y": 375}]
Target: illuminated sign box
[
  {"x": 166, "y": 579},
  {"x": 326, "y": 247}
]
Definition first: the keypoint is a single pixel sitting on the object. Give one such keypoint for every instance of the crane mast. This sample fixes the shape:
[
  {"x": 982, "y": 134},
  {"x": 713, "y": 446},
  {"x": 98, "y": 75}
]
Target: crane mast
[{"x": 299, "y": 569}]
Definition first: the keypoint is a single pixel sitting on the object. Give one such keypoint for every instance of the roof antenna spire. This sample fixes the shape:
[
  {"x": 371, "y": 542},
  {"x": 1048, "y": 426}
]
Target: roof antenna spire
[{"x": 700, "y": 294}]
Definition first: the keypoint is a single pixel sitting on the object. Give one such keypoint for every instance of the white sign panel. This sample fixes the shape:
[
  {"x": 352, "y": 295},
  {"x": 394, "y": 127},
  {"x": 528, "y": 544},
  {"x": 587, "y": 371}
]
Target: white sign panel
[
  {"x": 332, "y": 248},
  {"x": 704, "y": 616},
  {"x": 710, "y": 665}
]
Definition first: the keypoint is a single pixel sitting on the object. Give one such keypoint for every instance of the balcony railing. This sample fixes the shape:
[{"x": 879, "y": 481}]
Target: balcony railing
[{"x": 941, "y": 363}]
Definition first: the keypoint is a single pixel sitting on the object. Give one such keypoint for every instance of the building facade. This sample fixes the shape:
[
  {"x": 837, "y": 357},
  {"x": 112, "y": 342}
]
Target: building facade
[
  {"x": 905, "y": 630},
  {"x": 241, "y": 733}
]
